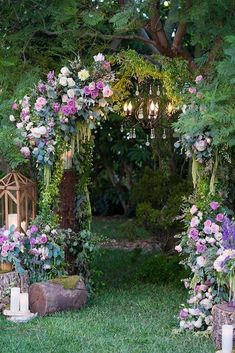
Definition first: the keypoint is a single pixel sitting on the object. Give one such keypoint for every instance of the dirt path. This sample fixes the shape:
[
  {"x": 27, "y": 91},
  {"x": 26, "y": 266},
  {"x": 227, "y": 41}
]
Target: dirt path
[{"x": 145, "y": 244}]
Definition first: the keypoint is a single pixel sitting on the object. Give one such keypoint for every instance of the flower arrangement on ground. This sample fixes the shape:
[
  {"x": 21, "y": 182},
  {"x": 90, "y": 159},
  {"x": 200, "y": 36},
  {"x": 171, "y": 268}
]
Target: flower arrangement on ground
[{"x": 199, "y": 247}]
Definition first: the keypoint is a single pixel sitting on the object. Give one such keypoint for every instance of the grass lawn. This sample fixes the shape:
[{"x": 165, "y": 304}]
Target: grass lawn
[{"x": 126, "y": 316}]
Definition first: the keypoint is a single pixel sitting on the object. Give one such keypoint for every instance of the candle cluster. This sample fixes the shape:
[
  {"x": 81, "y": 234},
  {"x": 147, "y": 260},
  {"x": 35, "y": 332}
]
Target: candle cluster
[{"x": 19, "y": 302}]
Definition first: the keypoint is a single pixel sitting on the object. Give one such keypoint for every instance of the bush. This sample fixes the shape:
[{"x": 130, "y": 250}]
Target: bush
[{"x": 161, "y": 269}]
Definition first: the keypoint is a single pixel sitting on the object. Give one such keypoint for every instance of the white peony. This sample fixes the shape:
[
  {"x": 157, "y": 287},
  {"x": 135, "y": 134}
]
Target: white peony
[
  {"x": 198, "y": 323},
  {"x": 65, "y": 71},
  {"x": 63, "y": 81},
  {"x": 83, "y": 75}
]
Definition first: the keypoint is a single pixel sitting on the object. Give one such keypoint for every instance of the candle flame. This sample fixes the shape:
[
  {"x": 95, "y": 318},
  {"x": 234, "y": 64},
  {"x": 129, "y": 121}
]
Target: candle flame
[
  {"x": 130, "y": 107},
  {"x": 152, "y": 107},
  {"x": 125, "y": 107},
  {"x": 170, "y": 108}
]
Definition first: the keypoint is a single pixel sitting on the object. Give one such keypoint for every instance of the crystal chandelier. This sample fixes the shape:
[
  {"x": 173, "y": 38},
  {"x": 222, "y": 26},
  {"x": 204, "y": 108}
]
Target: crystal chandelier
[{"x": 146, "y": 113}]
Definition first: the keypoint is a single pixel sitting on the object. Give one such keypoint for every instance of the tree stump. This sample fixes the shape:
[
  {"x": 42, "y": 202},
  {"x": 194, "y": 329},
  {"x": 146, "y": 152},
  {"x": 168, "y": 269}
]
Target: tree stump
[
  {"x": 222, "y": 315},
  {"x": 52, "y": 296}
]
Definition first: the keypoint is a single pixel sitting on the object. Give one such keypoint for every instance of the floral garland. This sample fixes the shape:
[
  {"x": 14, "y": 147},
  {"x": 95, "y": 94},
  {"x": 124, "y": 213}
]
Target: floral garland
[
  {"x": 66, "y": 106},
  {"x": 200, "y": 246}
]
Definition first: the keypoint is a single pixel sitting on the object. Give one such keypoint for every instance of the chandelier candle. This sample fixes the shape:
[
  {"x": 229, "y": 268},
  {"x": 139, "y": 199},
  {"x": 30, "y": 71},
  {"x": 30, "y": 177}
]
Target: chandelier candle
[
  {"x": 15, "y": 300},
  {"x": 227, "y": 338}
]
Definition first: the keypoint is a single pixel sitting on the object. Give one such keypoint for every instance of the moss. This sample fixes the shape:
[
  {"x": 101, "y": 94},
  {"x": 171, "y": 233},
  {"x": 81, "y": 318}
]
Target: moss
[{"x": 68, "y": 282}]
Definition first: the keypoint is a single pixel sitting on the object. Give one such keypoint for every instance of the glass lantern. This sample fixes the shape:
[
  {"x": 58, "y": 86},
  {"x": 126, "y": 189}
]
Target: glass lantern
[{"x": 17, "y": 201}]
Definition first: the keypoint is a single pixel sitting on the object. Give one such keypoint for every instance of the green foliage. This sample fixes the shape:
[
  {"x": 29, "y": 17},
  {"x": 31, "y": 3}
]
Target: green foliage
[
  {"x": 9, "y": 147},
  {"x": 158, "y": 198}
]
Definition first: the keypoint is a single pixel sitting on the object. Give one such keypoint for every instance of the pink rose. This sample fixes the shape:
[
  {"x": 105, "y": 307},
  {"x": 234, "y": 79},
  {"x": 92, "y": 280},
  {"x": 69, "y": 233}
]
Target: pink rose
[
  {"x": 194, "y": 222},
  {"x": 106, "y": 65},
  {"x": 220, "y": 217},
  {"x": 5, "y": 247},
  {"x": 4, "y": 254},
  {"x": 215, "y": 228},
  {"x": 207, "y": 223},
  {"x": 15, "y": 106},
  {"x": 43, "y": 239},
  {"x": 214, "y": 205},
  {"x": 192, "y": 90},
  {"x": 25, "y": 151},
  {"x": 107, "y": 92},
  {"x": 100, "y": 85},
  {"x": 94, "y": 94},
  {"x": 40, "y": 103},
  {"x": 92, "y": 86},
  {"x": 207, "y": 230},
  {"x": 178, "y": 248},
  {"x": 193, "y": 233}
]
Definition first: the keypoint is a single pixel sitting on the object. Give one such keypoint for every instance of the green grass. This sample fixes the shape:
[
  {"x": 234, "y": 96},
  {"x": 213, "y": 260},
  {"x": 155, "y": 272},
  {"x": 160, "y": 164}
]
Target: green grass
[
  {"x": 118, "y": 228},
  {"x": 127, "y": 316}
]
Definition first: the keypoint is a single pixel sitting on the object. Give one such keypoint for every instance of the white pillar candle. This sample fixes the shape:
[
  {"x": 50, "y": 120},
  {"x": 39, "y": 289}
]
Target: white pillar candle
[
  {"x": 12, "y": 220},
  {"x": 15, "y": 299},
  {"x": 227, "y": 338},
  {"x": 24, "y": 302}
]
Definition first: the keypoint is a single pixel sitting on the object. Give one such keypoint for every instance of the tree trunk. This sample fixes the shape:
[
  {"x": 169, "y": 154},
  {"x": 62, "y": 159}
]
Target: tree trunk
[{"x": 49, "y": 297}]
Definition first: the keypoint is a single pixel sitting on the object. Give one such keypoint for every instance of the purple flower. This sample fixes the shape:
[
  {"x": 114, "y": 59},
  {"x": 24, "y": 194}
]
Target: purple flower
[
  {"x": 43, "y": 239},
  {"x": 50, "y": 77},
  {"x": 100, "y": 85},
  {"x": 201, "y": 248},
  {"x": 32, "y": 241},
  {"x": 86, "y": 90},
  {"x": 33, "y": 229},
  {"x": 56, "y": 107},
  {"x": 228, "y": 233},
  {"x": 207, "y": 230},
  {"x": 41, "y": 87},
  {"x": 15, "y": 106},
  {"x": 94, "y": 94},
  {"x": 183, "y": 314},
  {"x": 193, "y": 233},
  {"x": 214, "y": 205},
  {"x": 220, "y": 217}
]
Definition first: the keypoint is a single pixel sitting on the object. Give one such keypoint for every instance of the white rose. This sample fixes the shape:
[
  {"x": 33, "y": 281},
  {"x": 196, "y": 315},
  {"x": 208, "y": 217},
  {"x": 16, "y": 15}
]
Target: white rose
[
  {"x": 65, "y": 71},
  {"x": 83, "y": 75},
  {"x": 19, "y": 125},
  {"x": 71, "y": 93},
  {"x": 29, "y": 126},
  {"x": 63, "y": 81},
  {"x": 71, "y": 82},
  {"x": 198, "y": 323},
  {"x": 12, "y": 118},
  {"x": 42, "y": 130},
  {"x": 218, "y": 236}
]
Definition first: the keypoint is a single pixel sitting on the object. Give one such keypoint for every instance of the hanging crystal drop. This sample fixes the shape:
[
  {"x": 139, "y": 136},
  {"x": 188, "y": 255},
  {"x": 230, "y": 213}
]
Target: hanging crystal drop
[
  {"x": 137, "y": 93},
  {"x": 134, "y": 134},
  {"x": 141, "y": 114},
  {"x": 130, "y": 134},
  {"x": 158, "y": 90},
  {"x": 147, "y": 143},
  {"x": 122, "y": 128},
  {"x": 164, "y": 134},
  {"x": 152, "y": 134},
  {"x": 150, "y": 90}
]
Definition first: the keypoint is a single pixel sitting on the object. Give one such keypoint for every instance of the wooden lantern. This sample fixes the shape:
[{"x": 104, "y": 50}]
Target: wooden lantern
[{"x": 17, "y": 201}]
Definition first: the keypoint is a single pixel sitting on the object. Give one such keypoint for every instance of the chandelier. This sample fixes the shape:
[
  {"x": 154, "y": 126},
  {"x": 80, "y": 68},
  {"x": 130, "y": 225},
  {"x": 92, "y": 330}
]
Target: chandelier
[{"x": 146, "y": 112}]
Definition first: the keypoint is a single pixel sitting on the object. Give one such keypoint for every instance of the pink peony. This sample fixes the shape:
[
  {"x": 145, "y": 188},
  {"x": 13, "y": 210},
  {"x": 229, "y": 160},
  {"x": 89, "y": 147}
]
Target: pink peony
[
  {"x": 207, "y": 223},
  {"x": 214, "y": 205},
  {"x": 15, "y": 106},
  {"x": 192, "y": 90},
  {"x": 40, "y": 103},
  {"x": 107, "y": 92},
  {"x": 215, "y": 228},
  {"x": 198, "y": 79}
]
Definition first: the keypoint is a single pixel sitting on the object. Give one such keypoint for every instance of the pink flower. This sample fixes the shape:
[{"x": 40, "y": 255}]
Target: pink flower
[
  {"x": 220, "y": 217},
  {"x": 207, "y": 230},
  {"x": 183, "y": 314},
  {"x": 207, "y": 223},
  {"x": 107, "y": 92},
  {"x": 86, "y": 90},
  {"x": 5, "y": 247},
  {"x": 198, "y": 79},
  {"x": 40, "y": 103},
  {"x": 106, "y": 65},
  {"x": 193, "y": 233},
  {"x": 25, "y": 151},
  {"x": 214, "y": 205},
  {"x": 32, "y": 241},
  {"x": 215, "y": 228},
  {"x": 201, "y": 248},
  {"x": 194, "y": 222},
  {"x": 4, "y": 254},
  {"x": 192, "y": 90},
  {"x": 35, "y": 251},
  {"x": 99, "y": 57},
  {"x": 12, "y": 246},
  {"x": 92, "y": 86},
  {"x": 193, "y": 209},
  {"x": 56, "y": 107},
  {"x": 15, "y": 106},
  {"x": 178, "y": 248},
  {"x": 94, "y": 94},
  {"x": 43, "y": 239}
]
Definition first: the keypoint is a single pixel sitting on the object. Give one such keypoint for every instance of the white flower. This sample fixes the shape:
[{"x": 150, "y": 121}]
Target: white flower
[
  {"x": 37, "y": 132},
  {"x": 83, "y": 75},
  {"x": 71, "y": 93},
  {"x": 71, "y": 82},
  {"x": 208, "y": 319},
  {"x": 47, "y": 228},
  {"x": 65, "y": 98},
  {"x": 201, "y": 261},
  {"x": 200, "y": 215},
  {"x": 182, "y": 324},
  {"x": 218, "y": 236},
  {"x": 19, "y": 125},
  {"x": 99, "y": 57},
  {"x": 65, "y": 71},
  {"x": 198, "y": 323},
  {"x": 29, "y": 126},
  {"x": 206, "y": 303},
  {"x": 12, "y": 118},
  {"x": 63, "y": 81},
  {"x": 193, "y": 209},
  {"x": 184, "y": 107}
]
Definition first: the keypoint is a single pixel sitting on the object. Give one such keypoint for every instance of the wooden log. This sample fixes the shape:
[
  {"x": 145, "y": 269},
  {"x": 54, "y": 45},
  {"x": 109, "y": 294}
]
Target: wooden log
[
  {"x": 49, "y": 297},
  {"x": 222, "y": 315}
]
